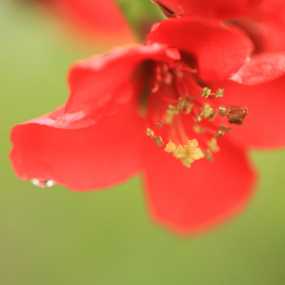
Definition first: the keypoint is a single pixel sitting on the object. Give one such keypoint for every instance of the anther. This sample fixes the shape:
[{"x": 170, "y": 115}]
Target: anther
[
  {"x": 183, "y": 107},
  {"x": 206, "y": 92},
  {"x": 208, "y": 112},
  {"x": 236, "y": 115},
  {"x": 222, "y": 130},
  {"x": 223, "y": 111},
  {"x": 187, "y": 153},
  {"x": 220, "y": 93},
  {"x": 203, "y": 113}
]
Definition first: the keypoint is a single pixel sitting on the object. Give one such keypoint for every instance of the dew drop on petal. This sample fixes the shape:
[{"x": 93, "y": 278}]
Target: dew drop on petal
[{"x": 43, "y": 183}]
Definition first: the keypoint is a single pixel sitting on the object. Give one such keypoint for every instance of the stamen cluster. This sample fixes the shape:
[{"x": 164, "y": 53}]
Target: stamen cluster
[{"x": 202, "y": 112}]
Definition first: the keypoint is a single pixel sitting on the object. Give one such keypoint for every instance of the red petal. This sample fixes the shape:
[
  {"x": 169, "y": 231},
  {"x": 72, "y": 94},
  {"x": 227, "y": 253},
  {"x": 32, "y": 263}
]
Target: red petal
[
  {"x": 99, "y": 155},
  {"x": 271, "y": 8},
  {"x": 191, "y": 200},
  {"x": 94, "y": 19},
  {"x": 208, "y": 8},
  {"x": 261, "y": 68},
  {"x": 263, "y": 127},
  {"x": 219, "y": 50},
  {"x": 265, "y": 25},
  {"x": 262, "y": 20},
  {"x": 95, "y": 80},
  {"x": 267, "y": 33},
  {"x": 95, "y": 140}
]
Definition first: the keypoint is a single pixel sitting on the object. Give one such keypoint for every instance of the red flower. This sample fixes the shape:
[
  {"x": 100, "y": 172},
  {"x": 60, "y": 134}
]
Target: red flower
[
  {"x": 93, "y": 20},
  {"x": 153, "y": 110},
  {"x": 260, "y": 82},
  {"x": 222, "y": 9}
]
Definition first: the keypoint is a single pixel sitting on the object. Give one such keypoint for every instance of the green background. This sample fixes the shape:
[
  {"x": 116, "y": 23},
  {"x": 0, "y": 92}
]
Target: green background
[{"x": 59, "y": 237}]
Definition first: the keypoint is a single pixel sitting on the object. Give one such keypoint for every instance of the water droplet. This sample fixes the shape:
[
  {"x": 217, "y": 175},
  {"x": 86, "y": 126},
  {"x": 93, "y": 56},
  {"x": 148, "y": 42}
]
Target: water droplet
[{"x": 43, "y": 183}]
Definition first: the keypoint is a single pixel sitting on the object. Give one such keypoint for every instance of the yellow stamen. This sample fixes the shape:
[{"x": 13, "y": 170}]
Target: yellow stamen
[
  {"x": 206, "y": 92},
  {"x": 183, "y": 107},
  {"x": 187, "y": 153},
  {"x": 207, "y": 112},
  {"x": 202, "y": 114},
  {"x": 170, "y": 147},
  {"x": 220, "y": 93}
]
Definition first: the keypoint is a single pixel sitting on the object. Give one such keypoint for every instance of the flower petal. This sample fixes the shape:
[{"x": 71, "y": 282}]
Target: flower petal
[
  {"x": 264, "y": 23},
  {"x": 94, "y": 141},
  {"x": 220, "y": 50},
  {"x": 100, "y": 154},
  {"x": 208, "y": 8},
  {"x": 267, "y": 33},
  {"x": 87, "y": 18},
  {"x": 262, "y": 20},
  {"x": 94, "y": 81},
  {"x": 190, "y": 200},
  {"x": 261, "y": 68},
  {"x": 263, "y": 127}
]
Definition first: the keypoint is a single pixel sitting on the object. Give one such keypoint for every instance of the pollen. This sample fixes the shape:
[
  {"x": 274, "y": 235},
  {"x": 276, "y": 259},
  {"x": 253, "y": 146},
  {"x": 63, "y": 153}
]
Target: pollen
[
  {"x": 193, "y": 120},
  {"x": 208, "y": 112},
  {"x": 183, "y": 106},
  {"x": 206, "y": 92},
  {"x": 187, "y": 153},
  {"x": 220, "y": 93},
  {"x": 234, "y": 114}
]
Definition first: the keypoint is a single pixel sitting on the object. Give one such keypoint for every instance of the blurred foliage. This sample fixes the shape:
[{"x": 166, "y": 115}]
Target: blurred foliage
[
  {"x": 140, "y": 14},
  {"x": 57, "y": 237}
]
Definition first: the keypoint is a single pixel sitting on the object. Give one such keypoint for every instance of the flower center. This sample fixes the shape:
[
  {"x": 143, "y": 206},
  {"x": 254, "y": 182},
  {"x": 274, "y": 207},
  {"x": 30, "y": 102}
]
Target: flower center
[{"x": 187, "y": 120}]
